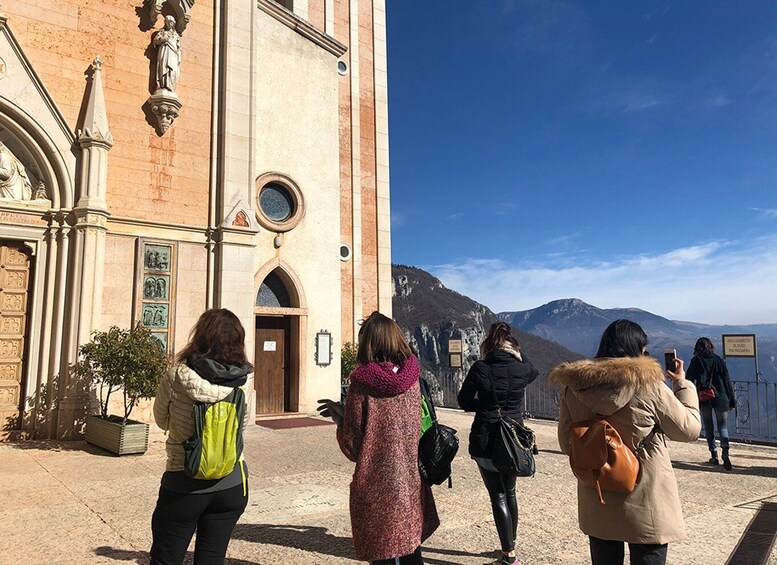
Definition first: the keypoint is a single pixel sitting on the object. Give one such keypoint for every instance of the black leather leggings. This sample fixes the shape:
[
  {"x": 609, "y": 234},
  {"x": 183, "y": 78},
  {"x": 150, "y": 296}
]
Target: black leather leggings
[{"x": 501, "y": 489}]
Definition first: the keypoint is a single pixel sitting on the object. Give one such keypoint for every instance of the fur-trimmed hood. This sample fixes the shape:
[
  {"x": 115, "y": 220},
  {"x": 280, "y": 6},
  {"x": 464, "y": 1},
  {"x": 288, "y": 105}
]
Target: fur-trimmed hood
[{"x": 607, "y": 385}]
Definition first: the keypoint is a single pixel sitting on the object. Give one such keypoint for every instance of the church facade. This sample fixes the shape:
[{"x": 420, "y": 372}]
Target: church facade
[{"x": 162, "y": 157}]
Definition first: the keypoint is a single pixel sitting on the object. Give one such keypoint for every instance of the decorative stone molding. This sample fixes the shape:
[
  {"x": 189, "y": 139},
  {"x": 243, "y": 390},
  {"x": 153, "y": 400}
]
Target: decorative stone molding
[
  {"x": 181, "y": 8},
  {"x": 239, "y": 217},
  {"x": 302, "y": 27},
  {"x": 166, "y": 107}
]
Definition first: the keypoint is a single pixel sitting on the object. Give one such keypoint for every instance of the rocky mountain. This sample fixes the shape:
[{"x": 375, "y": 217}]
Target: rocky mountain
[
  {"x": 431, "y": 315},
  {"x": 578, "y": 326}
]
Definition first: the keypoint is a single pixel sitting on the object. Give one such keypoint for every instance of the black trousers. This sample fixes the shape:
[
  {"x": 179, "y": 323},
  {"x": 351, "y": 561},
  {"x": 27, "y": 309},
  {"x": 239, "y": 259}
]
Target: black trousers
[
  {"x": 608, "y": 552},
  {"x": 412, "y": 559},
  {"x": 178, "y": 515},
  {"x": 504, "y": 506}
]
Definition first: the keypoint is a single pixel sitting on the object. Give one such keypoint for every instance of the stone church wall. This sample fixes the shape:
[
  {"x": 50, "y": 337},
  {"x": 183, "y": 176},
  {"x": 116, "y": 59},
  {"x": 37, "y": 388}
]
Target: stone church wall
[{"x": 150, "y": 177}]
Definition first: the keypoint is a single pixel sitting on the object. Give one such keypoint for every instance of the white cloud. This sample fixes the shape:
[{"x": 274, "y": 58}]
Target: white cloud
[
  {"x": 731, "y": 282},
  {"x": 767, "y": 213}
]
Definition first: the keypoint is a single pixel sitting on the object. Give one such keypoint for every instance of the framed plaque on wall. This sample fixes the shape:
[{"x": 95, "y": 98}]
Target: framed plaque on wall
[{"x": 156, "y": 265}]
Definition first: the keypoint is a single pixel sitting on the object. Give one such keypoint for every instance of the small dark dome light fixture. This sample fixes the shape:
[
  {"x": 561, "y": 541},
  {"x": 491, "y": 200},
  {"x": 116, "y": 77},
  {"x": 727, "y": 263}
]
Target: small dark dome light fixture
[{"x": 345, "y": 252}]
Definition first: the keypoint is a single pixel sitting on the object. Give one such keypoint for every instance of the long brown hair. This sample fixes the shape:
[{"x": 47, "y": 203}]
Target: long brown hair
[
  {"x": 217, "y": 335},
  {"x": 381, "y": 340},
  {"x": 703, "y": 345},
  {"x": 498, "y": 335}
]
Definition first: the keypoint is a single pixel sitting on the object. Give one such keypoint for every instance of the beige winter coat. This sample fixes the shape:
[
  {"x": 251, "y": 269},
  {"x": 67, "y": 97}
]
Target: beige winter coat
[
  {"x": 631, "y": 393},
  {"x": 175, "y": 398}
]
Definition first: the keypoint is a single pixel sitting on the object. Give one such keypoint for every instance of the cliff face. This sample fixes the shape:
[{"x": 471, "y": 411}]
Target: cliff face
[{"x": 431, "y": 315}]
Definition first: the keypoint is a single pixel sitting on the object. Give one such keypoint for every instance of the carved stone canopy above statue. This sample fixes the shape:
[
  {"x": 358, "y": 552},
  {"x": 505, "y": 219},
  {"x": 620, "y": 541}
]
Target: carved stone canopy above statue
[{"x": 181, "y": 9}]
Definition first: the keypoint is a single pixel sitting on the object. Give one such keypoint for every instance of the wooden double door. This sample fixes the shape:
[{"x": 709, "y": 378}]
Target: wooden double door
[
  {"x": 272, "y": 365},
  {"x": 15, "y": 276}
]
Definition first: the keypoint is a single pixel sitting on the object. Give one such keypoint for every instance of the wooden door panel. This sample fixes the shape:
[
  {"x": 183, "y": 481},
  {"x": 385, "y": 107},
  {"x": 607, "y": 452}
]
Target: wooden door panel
[
  {"x": 14, "y": 292},
  {"x": 269, "y": 370}
]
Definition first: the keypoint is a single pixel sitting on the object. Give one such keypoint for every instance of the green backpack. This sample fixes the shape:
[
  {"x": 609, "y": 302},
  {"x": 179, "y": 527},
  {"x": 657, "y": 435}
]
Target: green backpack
[
  {"x": 215, "y": 447},
  {"x": 426, "y": 416}
]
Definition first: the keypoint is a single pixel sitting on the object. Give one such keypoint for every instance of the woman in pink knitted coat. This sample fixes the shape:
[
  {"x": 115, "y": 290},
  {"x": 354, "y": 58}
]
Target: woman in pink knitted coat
[{"x": 392, "y": 509}]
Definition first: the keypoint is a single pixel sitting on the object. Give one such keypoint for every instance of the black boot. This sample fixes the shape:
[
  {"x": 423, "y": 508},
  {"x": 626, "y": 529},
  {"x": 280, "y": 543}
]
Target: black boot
[
  {"x": 714, "y": 458},
  {"x": 726, "y": 460}
]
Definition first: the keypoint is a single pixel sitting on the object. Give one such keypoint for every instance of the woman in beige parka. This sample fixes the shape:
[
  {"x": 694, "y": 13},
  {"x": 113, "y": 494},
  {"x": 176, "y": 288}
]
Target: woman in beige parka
[
  {"x": 625, "y": 386},
  {"x": 208, "y": 369}
]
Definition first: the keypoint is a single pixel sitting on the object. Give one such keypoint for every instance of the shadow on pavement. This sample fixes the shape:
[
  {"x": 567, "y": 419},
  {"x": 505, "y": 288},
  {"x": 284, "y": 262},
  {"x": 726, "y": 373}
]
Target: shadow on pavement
[
  {"x": 755, "y": 471},
  {"x": 142, "y": 557},
  {"x": 67, "y": 445},
  {"x": 307, "y": 538},
  {"x": 427, "y": 551}
]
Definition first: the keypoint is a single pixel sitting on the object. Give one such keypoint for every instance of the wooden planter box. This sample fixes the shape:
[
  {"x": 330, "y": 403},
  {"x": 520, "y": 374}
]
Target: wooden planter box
[{"x": 111, "y": 435}]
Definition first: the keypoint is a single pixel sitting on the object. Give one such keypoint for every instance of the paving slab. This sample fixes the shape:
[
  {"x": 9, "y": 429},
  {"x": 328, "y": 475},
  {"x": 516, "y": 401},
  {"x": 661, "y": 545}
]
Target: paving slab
[{"x": 72, "y": 503}]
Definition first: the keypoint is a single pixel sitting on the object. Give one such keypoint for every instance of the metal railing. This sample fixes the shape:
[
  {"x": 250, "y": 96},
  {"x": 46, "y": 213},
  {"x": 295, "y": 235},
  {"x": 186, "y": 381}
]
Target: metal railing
[
  {"x": 754, "y": 418},
  {"x": 755, "y": 413}
]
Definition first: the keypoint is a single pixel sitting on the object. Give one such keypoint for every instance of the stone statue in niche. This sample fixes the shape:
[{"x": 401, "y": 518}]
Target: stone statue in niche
[
  {"x": 168, "y": 61},
  {"x": 14, "y": 183},
  {"x": 164, "y": 103}
]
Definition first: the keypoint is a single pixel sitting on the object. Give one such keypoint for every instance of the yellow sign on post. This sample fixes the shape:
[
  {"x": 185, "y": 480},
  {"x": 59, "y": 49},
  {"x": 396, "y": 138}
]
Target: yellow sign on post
[{"x": 739, "y": 345}]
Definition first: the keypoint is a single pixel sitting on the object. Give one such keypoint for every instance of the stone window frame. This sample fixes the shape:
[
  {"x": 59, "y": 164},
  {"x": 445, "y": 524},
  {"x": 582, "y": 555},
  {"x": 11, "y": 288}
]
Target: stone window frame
[
  {"x": 297, "y": 201},
  {"x": 141, "y": 271}
]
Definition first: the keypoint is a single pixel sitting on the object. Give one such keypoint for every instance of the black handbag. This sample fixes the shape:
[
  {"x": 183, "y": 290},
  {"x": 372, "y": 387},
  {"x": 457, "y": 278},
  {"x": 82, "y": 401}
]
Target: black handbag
[
  {"x": 437, "y": 447},
  {"x": 514, "y": 444}
]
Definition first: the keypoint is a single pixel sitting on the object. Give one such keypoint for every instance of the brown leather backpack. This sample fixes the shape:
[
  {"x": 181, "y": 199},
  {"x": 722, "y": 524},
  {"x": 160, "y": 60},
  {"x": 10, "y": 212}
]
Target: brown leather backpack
[{"x": 600, "y": 459}]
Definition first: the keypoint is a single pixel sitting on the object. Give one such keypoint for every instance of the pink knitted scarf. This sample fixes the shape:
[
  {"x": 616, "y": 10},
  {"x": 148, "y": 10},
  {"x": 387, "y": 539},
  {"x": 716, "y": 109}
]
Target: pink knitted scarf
[{"x": 381, "y": 379}]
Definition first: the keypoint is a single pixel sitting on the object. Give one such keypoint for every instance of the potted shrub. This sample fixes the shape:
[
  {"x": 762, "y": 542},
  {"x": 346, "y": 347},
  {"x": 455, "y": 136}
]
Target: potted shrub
[
  {"x": 126, "y": 362},
  {"x": 347, "y": 365}
]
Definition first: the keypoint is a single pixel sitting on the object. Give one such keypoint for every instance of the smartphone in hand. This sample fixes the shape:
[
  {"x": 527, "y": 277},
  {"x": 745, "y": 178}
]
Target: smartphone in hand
[{"x": 670, "y": 360}]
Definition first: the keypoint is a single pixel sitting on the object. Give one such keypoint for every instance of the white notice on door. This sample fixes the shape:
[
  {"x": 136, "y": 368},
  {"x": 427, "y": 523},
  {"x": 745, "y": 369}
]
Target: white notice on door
[{"x": 270, "y": 346}]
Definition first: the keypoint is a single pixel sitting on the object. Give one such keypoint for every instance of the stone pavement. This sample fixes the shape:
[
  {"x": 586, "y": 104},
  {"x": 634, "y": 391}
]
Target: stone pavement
[{"x": 71, "y": 503}]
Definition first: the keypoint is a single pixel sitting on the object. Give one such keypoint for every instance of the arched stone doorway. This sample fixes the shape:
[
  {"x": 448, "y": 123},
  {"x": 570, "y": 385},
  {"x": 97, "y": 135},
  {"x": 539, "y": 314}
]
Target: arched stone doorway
[{"x": 281, "y": 320}]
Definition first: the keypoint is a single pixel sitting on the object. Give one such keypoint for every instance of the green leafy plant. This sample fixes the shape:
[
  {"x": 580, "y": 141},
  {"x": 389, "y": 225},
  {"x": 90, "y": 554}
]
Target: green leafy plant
[
  {"x": 128, "y": 360},
  {"x": 347, "y": 361}
]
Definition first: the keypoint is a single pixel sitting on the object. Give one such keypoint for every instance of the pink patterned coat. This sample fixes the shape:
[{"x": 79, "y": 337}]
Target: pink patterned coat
[{"x": 392, "y": 509}]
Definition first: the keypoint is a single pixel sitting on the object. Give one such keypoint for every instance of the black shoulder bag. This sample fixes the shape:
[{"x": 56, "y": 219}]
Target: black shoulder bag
[
  {"x": 514, "y": 448},
  {"x": 437, "y": 447}
]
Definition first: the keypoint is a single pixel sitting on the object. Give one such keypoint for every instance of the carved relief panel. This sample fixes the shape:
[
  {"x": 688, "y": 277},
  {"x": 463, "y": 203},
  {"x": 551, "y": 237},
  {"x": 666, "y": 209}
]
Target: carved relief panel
[
  {"x": 155, "y": 289},
  {"x": 14, "y": 292}
]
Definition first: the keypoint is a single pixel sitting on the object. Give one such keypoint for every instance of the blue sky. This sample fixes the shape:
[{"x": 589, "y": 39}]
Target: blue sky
[{"x": 624, "y": 153}]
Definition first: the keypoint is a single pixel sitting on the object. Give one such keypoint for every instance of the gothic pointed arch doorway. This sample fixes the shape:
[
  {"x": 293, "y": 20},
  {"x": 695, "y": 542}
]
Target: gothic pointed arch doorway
[{"x": 281, "y": 318}]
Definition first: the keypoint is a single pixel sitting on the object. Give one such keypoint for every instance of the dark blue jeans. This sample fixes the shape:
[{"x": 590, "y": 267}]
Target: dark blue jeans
[{"x": 721, "y": 419}]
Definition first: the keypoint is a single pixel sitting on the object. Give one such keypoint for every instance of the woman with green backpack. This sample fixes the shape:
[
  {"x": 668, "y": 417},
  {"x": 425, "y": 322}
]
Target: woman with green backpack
[{"x": 202, "y": 405}]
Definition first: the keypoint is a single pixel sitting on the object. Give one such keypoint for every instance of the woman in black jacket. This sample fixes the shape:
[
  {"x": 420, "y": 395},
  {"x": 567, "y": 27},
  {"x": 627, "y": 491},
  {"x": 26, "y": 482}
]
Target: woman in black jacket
[
  {"x": 500, "y": 378},
  {"x": 709, "y": 370}
]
